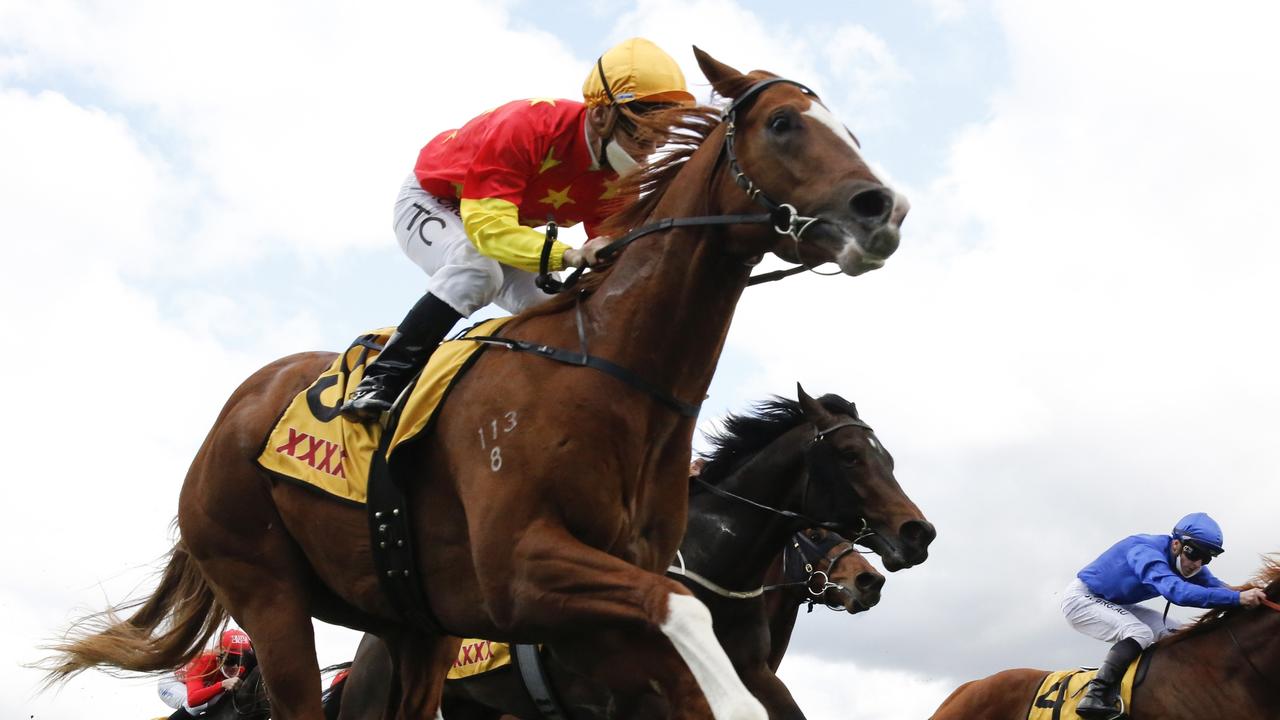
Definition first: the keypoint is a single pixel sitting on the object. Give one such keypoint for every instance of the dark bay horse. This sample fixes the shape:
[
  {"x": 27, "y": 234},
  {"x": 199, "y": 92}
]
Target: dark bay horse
[
  {"x": 566, "y": 539},
  {"x": 1225, "y": 665},
  {"x": 774, "y": 471},
  {"x": 840, "y": 579}
]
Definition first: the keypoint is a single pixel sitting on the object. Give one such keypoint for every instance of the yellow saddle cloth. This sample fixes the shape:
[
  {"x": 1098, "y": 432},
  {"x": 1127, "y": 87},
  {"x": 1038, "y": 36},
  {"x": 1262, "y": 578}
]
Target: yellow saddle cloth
[
  {"x": 476, "y": 657},
  {"x": 1061, "y": 692},
  {"x": 314, "y": 445}
]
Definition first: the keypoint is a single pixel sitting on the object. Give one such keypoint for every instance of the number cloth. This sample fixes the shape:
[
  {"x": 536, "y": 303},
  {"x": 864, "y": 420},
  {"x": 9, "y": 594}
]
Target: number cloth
[
  {"x": 1060, "y": 693},
  {"x": 314, "y": 445}
]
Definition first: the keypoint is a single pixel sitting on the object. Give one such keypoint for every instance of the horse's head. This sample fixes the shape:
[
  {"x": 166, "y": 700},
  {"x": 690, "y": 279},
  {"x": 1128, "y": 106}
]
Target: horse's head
[
  {"x": 786, "y": 149},
  {"x": 840, "y": 577},
  {"x": 851, "y": 479}
]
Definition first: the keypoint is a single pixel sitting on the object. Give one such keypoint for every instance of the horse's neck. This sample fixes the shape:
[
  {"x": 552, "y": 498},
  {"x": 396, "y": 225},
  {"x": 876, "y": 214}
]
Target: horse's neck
[
  {"x": 1223, "y": 675},
  {"x": 667, "y": 305},
  {"x": 738, "y": 541}
]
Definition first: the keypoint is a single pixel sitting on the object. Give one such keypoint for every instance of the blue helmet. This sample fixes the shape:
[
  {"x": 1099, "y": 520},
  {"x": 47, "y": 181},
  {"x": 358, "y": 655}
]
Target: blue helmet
[{"x": 1200, "y": 529}]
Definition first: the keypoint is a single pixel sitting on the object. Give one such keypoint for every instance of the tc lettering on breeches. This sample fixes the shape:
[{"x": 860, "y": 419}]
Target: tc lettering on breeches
[{"x": 430, "y": 231}]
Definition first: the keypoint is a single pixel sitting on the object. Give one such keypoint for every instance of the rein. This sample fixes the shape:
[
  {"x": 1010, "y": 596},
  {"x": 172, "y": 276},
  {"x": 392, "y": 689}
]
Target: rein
[
  {"x": 782, "y": 217},
  {"x": 805, "y": 520}
]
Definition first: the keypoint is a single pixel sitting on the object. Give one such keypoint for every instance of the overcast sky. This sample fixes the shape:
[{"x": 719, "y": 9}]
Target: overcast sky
[{"x": 1075, "y": 342}]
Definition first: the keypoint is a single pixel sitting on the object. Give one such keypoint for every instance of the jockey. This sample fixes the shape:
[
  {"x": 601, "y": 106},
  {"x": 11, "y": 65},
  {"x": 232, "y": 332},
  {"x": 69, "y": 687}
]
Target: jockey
[
  {"x": 1102, "y": 601},
  {"x": 213, "y": 672},
  {"x": 466, "y": 214}
]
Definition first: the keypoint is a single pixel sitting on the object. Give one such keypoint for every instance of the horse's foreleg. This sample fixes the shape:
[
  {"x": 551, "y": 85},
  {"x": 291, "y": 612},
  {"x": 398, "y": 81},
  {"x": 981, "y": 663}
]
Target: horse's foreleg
[
  {"x": 423, "y": 662},
  {"x": 563, "y": 585}
]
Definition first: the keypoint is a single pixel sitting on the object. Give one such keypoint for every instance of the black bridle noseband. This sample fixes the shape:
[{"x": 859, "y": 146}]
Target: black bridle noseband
[{"x": 782, "y": 217}]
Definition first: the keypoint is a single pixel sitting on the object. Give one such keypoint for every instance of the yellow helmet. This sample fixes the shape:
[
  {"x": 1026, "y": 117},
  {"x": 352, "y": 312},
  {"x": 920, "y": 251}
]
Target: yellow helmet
[{"x": 635, "y": 69}]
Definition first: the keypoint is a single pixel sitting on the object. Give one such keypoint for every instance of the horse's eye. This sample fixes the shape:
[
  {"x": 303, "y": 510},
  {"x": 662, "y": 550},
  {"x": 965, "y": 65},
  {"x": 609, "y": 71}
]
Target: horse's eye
[
  {"x": 780, "y": 123},
  {"x": 849, "y": 456}
]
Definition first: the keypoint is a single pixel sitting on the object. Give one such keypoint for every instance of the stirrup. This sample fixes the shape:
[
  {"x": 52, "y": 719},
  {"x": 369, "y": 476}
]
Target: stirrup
[{"x": 366, "y": 406}]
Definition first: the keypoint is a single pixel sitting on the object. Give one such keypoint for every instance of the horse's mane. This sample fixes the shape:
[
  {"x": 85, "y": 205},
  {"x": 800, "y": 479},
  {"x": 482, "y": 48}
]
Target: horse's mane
[
  {"x": 679, "y": 131},
  {"x": 742, "y": 435},
  {"x": 1267, "y": 578}
]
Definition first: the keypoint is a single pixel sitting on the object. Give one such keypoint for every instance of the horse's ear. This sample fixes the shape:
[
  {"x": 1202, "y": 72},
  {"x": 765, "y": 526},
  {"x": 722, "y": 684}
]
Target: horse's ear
[
  {"x": 812, "y": 408},
  {"x": 727, "y": 81}
]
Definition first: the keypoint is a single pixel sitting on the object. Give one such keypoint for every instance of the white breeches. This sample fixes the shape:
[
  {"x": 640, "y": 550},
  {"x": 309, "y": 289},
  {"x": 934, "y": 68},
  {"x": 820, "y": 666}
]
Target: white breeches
[
  {"x": 1102, "y": 619},
  {"x": 430, "y": 232}
]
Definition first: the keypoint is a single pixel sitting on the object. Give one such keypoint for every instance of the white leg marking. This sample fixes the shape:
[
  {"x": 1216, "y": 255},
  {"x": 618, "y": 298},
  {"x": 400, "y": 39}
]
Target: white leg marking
[{"x": 688, "y": 626}]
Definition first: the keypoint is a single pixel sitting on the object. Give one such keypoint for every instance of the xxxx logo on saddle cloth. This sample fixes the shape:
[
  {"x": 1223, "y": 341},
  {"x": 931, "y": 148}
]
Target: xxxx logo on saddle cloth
[
  {"x": 476, "y": 657},
  {"x": 314, "y": 445},
  {"x": 1060, "y": 692}
]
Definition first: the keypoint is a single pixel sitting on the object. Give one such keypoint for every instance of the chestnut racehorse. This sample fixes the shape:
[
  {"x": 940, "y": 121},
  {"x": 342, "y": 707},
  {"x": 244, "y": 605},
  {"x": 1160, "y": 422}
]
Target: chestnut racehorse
[
  {"x": 1225, "y": 665},
  {"x": 786, "y": 465},
  {"x": 566, "y": 538}
]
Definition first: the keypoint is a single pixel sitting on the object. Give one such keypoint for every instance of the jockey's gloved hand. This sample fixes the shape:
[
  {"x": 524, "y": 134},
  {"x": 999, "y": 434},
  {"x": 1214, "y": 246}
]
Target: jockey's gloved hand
[
  {"x": 1252, "y": 597},
  {"x": 586, "y": 256}
]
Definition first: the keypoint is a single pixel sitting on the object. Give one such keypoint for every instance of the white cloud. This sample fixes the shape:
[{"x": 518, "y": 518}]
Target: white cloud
[{"x": 827, "y": 688}]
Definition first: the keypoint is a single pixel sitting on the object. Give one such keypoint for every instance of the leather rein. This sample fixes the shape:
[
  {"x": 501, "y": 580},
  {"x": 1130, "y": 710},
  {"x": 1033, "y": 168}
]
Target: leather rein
[{"x": 820, "y": 435}]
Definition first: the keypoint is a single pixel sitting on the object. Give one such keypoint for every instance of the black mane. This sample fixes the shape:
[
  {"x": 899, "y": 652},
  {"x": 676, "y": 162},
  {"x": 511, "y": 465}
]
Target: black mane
[{"x": 742, "y": 436}]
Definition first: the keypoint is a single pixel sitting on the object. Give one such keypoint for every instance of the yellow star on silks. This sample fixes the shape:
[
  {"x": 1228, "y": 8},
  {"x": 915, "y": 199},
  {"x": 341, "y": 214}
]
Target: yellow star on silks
[
  {"x": 451, "y": 136},
  {"x": 537, "y": 101},
  {"x": 549, "y": 161},
  {"x": 556, "y": 198},
  {"x": 611, "y": 189}
]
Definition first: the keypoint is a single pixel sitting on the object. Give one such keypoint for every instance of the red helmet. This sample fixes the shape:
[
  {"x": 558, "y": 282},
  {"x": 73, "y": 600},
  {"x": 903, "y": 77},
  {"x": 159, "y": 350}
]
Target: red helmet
[{"x": 234, "y": 642}]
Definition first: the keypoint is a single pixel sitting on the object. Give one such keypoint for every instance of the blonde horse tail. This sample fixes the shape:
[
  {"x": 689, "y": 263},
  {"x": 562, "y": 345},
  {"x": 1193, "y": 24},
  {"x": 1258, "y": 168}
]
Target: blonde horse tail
[{"x": 165, "y": 631}]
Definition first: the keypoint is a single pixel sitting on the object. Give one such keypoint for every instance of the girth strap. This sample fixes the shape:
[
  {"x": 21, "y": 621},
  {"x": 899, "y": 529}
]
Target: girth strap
[
  {"x": 392, "y": 541},
  {"x": 529, "y": 660}
]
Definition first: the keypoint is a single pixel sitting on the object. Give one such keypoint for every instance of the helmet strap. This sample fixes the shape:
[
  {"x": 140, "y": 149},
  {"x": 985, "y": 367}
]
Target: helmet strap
[{"x": 604, "y": 81}]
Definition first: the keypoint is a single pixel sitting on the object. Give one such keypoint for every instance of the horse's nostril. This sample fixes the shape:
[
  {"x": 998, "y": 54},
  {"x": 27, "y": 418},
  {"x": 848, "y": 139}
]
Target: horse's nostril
[
  {"x": 918, "y": 533},
  {"x": 872, "y": 207},
  {"x": 868, "y": 582}
]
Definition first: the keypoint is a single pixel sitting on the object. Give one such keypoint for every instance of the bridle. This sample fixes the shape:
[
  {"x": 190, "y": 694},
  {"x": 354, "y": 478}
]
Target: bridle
[
  {"x": 818, "y": 582},
  {"x": 819, "y": 436},
  {"x": 863, "y": 531},
  {"x": 783, "y": 217}
]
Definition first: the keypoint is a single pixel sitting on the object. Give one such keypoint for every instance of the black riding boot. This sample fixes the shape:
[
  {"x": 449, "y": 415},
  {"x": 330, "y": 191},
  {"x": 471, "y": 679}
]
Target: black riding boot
[
  {"x": 404, "y": 355},
  {"x": 1102, "y": 699}
]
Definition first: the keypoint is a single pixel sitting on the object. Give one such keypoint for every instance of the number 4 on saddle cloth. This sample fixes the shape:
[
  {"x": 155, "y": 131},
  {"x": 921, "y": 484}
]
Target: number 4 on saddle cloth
[
  {"x": 1060, "y": 692},
  {"x": 314, "y": 445}
]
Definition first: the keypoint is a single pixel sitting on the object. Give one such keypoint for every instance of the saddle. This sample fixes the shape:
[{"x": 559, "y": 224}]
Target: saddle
[
  {"x": 314, "y": 446},
  {"x": 1060, "y": 692}
]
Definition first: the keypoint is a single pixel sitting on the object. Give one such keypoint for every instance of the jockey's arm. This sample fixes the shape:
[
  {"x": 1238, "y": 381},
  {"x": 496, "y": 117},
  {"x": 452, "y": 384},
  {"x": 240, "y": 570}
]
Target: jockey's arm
[
  {"x": 493, "y": 226},
  {"x": 203, "y": 684},
  {"x": 1157, "y": 574}
]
